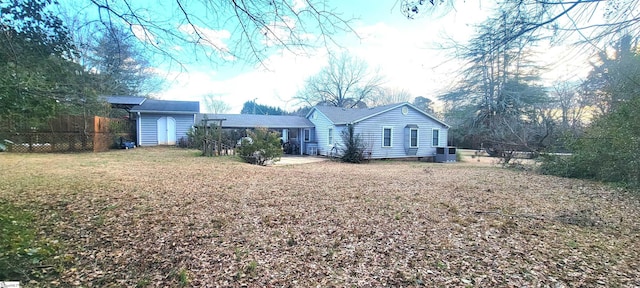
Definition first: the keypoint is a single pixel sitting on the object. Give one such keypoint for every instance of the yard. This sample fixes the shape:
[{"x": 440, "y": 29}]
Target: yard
[{"x": 165, "y": 217}]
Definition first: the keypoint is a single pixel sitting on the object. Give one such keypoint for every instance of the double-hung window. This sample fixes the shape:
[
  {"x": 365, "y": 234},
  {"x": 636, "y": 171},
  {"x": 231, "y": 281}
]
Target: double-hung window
[
  {"x": 435, "y": 137},
  {"x": 307, "y": 135},
  {"x": 387, "y": 140},
  {"x": 413, "y": 138},
  {"x": 330, "y": 136}
]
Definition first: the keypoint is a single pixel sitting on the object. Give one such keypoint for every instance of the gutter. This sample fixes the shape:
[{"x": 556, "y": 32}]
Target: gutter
[{"x": 163, "y": 112}]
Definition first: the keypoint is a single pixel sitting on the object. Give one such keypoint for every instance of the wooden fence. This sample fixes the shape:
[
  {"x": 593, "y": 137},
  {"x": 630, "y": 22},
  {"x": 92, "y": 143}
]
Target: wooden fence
[{"x": 69, "y": 134}]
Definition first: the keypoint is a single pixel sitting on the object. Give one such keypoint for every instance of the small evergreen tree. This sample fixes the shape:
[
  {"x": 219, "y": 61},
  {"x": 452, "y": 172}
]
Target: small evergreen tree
[
  {"x": 264, "y": 146},
  {"x": 354, "y": 146}
]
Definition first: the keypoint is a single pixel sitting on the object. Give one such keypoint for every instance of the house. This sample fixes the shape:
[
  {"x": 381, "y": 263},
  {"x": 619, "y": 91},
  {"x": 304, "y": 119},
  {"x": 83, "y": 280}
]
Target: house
[
  {"x": 158, "y": 122},
  {"x": 391, "y": 131}
]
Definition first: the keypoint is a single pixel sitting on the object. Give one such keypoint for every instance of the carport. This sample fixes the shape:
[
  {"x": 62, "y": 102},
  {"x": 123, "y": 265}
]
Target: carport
[{"x": 294, "y": 130}]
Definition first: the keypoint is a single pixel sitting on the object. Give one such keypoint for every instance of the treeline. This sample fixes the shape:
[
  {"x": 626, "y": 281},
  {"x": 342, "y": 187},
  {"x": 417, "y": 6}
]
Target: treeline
[{"x": 501, "y": 104}]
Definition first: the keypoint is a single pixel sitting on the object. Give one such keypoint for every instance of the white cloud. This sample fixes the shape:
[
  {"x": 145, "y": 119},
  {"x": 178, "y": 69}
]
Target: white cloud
[
  {"x": 274, "y": 87},
  {"x": 210, "y": 37},
  {"x": 298, "y": 5},
  {"x": 278, "y": 32},
  {"x": 402, "y": 57},
  {"x": 143, "y": 34}
]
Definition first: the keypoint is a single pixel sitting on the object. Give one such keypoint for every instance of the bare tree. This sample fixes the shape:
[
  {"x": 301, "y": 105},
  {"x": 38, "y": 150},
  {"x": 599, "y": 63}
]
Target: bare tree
[
  {"x": 226, "y": 30},
  {"x": 592, "y": 20},
  {"x": 346, "y": 82},
  {"x": 214, "y": 104},
  {"x": 390, "y": 96}
]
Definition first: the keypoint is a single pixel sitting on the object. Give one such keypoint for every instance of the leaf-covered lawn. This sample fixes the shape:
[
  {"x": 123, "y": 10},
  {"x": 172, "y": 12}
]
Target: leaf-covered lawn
[{"x": 164, "y": 217}]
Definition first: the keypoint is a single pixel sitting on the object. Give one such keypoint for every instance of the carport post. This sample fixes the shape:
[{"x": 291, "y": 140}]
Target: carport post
[
  {"x": 220, "y": 137},
  {"x": 206, "y": 121}
]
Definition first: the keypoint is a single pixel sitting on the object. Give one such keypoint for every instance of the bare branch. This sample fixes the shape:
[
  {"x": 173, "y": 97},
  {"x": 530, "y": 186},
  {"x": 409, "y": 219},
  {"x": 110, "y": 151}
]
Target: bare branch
[{"x": 254, "y": 28}]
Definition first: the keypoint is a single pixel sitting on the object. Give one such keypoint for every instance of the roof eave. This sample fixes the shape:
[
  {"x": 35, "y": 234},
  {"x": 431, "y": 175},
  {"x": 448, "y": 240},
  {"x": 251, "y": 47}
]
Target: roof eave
[
  {"x": 269, "y": 127},
  {"x": 310, "y": 111},
  {"x": 325, "y": 116},
  {"x": 402, "y": 104}
]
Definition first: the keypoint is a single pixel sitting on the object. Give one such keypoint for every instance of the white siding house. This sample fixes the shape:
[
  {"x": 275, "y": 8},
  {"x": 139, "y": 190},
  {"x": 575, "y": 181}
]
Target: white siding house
[{"x": 392, "y": 131}]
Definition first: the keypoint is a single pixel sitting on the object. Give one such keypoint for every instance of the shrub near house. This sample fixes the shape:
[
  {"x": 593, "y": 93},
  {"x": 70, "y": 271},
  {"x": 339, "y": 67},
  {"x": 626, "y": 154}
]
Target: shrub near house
[{"x": 265, "y": 147}]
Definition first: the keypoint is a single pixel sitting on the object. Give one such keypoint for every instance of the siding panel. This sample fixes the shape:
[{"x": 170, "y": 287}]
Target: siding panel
[{"x": 149, "y": 127}]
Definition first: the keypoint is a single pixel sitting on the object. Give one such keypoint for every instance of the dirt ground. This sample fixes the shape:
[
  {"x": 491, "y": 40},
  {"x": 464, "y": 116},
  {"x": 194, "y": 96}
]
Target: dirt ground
[{"x": 153, "y": 217}]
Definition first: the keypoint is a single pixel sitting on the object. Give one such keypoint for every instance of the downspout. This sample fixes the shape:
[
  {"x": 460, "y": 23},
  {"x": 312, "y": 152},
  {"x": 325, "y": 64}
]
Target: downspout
[{"x": 139, "y": 130}]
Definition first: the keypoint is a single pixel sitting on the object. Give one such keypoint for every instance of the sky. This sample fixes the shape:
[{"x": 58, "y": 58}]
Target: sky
[
  {"x": 405, "y": 51},
  {"x": 402, "y": 49}
]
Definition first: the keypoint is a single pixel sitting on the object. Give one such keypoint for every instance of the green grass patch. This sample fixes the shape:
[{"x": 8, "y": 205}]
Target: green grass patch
[{"x": 24, "y": 254}]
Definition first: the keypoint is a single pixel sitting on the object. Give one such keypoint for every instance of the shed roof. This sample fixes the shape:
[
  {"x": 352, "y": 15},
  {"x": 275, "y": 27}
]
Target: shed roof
[
  {"x": 124, "y": 102},
  {"x": 168, "y": 106},
  {"x": 252, "y": 121},
  {"x": 343, "y": 116},
  {"x": 127, "y": 100}
]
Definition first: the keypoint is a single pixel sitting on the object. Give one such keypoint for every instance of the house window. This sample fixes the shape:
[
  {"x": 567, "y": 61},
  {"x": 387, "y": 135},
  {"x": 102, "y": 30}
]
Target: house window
[
  {"x": 307, "y": 135},
  {"x": 435, "y": 137},
  {"x": 330, "y": 136},
  {"x": 413, "y": 138},
  {"x": 386, "y": 136}
]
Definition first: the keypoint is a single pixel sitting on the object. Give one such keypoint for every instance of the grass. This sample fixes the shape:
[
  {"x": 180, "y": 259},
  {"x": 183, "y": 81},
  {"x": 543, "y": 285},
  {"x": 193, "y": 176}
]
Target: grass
[
  {"x": 24, "y": 254},
  {"x": 134, "y": 217},
  {"x": 183, "y": 277}
]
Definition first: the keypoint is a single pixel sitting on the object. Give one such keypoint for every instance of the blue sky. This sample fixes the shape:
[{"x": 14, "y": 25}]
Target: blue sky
[{"x": 405, "y": 51}]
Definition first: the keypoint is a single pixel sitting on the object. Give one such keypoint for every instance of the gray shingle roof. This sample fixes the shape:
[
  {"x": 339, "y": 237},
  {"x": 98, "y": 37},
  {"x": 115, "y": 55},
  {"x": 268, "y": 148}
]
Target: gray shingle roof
[
  {"x": 168, "y": 106},
  {"x": 252, "y": 121},
  {"x": 340, "y": 116},
  {"x": 124, "y": 100},
  {"x": 343, "y": 116}
]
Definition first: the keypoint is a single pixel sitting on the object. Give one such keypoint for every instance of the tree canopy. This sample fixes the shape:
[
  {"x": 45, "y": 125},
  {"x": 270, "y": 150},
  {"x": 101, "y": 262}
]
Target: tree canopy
[
  {"x": 37, "y": 78},
  {"x": 346, "y": 81},
  {"x": 251, "y": 107}
]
